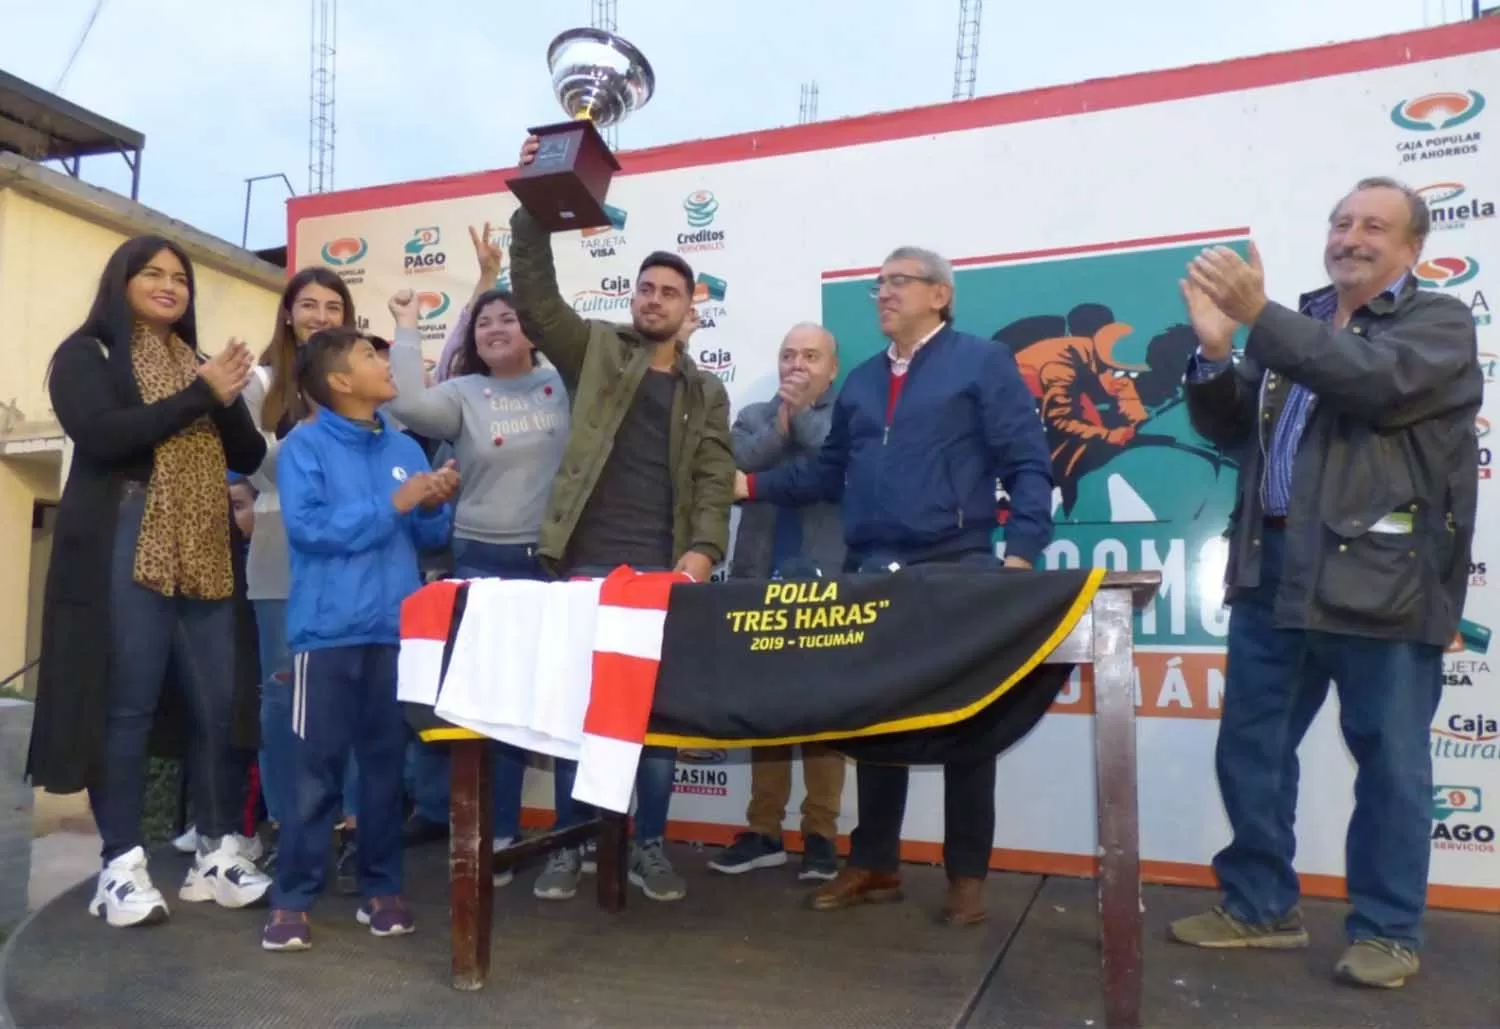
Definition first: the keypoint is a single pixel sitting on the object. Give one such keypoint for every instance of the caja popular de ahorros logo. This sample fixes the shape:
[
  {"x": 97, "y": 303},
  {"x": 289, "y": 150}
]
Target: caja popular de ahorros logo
[
  {"x": 432, "y": 304},
  {"x": 1446, "y": 272},
  {"x": 344, "y": 251},
  {"x": 1439, "y": 125},
  {"x": 1456, "y": 273},
  {"x": 1434, "y": 112}
]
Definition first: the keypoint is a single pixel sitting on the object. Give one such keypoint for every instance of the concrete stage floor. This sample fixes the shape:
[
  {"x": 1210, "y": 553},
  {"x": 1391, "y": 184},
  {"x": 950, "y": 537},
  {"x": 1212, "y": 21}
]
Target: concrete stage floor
[{"x": 738, "y": 952}]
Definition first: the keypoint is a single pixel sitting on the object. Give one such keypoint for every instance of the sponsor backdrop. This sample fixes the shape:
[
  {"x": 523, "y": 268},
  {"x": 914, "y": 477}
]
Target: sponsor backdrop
[{"x": 1073, "y": 262}]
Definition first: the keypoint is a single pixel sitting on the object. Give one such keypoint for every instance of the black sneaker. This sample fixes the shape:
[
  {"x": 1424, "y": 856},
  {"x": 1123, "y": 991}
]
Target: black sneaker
[
  {"x": 820, "y": 860},
  {"x": 347, "y": 869},
  {"x": 749, "y": 851}
]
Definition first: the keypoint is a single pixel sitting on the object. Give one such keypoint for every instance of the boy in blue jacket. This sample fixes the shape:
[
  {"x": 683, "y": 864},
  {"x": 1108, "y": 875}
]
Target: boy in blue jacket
[{"x": 359, "y": 501}]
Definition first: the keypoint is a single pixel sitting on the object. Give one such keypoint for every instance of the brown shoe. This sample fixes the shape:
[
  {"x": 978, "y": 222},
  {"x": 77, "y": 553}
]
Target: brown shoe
[
  {"x": 965, "y": 904},
  {"x": 856, "y": 886}
]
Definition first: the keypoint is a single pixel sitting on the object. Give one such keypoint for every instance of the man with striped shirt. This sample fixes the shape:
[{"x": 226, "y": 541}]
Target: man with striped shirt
[{"x": 1349, "y": 550}]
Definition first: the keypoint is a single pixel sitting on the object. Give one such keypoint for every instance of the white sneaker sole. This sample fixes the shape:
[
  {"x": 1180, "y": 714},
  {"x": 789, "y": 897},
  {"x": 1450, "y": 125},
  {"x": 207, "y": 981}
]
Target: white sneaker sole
[
  {"x": 401, "y": 930},
  {"x": 197, "y": 890},
  {"x": 154, "y": 915},
  {"x": 637, "y": 880},
  {"x": 775, "y": 860}
]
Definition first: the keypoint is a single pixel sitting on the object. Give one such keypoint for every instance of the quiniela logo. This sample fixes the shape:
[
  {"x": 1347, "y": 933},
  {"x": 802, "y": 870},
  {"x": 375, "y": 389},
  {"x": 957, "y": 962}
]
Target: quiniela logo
[
  {"x": 1451, "y": 206},
  {"x": 605, "y": 240},
  {"x": 422, "y": 253},
  {"x": 701, "y": 207},
  {"x": 1451, "y": 273},
  {"x": 612, "y": 296},
  {"x": 345, "y": 255},
  {"x": 1439, "y": 113}
]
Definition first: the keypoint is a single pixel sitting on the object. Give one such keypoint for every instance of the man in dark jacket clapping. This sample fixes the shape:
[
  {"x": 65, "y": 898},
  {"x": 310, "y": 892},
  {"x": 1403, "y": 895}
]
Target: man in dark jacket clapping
[
  {"x": 789, "y": 542},
  {"x": 1349, "y": 559}
]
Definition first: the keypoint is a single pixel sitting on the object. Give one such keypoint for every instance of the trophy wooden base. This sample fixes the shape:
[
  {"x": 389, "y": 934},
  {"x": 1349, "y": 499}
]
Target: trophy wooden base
[{"x": 564, "y": 186}]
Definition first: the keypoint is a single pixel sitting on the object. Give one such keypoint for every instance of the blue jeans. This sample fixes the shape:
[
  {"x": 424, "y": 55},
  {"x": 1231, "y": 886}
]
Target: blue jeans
[
  {"x": 432, "y": 763},
  {"x": 149, "y": 632},
  {"x": 1275, "y": 682},
  {"x": 653, "y": 776},
  {"x": 276, "y": 782},
  {"x": 347, "y": 704}
]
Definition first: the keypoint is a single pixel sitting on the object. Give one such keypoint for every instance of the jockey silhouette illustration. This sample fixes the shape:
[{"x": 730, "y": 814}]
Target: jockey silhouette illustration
[{"x": 1092, "y": 402}]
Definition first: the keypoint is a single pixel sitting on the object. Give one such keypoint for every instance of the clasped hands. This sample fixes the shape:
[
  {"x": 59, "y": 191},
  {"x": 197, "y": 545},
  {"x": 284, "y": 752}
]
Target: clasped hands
[
  {"x": 427, "y": 489},
  {"x": 1223, "y": 291}
]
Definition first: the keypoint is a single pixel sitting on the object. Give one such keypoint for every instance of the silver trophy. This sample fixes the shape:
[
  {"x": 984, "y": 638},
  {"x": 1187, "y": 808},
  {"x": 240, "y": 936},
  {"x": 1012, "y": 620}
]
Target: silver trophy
[{"x": 599, "y": 79}]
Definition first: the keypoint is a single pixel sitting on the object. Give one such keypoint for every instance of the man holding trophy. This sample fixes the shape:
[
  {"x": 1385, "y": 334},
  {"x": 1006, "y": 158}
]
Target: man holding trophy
[{"x": 648, "y": 477}]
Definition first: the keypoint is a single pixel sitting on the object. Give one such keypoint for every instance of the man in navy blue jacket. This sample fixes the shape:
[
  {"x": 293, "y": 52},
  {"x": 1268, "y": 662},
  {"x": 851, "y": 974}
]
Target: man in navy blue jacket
[{"x": 920, "y": 435}]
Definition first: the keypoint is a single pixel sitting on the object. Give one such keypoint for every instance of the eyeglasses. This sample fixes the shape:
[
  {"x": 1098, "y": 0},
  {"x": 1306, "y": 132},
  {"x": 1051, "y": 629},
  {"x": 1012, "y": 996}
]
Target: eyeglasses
[{"x": 898, "y": 282}]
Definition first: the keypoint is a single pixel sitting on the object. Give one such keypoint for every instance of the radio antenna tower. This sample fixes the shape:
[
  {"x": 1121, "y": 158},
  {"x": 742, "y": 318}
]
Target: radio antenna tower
[
  {"x": 966, "y": 62},
  {"x": 602, "y": 16},
  {"x": 809, "y": 109},
  {"x": 320, "y": 129}
]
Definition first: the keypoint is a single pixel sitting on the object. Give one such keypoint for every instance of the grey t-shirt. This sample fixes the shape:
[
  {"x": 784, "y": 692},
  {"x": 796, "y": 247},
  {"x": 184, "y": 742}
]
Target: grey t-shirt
[
  {"x": 628, "y": 517},
  {"x": 508, "y": 439}
]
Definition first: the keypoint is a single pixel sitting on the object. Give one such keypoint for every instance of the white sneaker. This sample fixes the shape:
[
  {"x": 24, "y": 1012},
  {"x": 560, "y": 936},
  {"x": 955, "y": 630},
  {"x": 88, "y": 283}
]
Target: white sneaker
[
  {"x": 125, "y": 895},
  {"x": 187, "y": 843},
  {"x": 500, "y": 843},
  {"x": 251, "y": 847},
  {"x": 227, "y": 876}
]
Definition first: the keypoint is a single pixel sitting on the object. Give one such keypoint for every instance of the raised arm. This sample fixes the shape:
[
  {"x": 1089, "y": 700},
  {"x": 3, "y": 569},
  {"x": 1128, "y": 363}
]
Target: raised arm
[
  {"x": 560, "y": 332},
  {"x": 490, "y": 258},
  {"x": 1392, "y": 377},
  {"x": 758, "y": 438},
  {"x": 1221, "y": 400},
  {"x": 432, "y": 411},
  {"x": 809, "y": 480}
]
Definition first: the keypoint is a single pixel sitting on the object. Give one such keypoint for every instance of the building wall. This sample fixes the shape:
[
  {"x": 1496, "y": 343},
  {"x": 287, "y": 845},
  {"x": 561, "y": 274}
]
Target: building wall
[{"x": 55, "y": 236}]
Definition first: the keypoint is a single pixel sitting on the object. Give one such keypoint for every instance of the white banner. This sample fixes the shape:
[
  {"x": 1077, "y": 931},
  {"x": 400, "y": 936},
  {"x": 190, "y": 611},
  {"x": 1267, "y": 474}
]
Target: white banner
[{"x": 1087, "y": 211}]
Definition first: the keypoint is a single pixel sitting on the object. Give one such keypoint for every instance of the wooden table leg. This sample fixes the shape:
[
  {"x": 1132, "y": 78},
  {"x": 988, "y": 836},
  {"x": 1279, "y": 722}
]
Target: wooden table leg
[
  {"x": 614, "y": 860},
  {"x": 470, "y": 850},
  {"x": 1120, "y": 920}
]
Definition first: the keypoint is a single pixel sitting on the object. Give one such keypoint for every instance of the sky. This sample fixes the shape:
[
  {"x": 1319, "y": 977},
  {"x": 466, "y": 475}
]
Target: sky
[{"x": 444, "y": 87}]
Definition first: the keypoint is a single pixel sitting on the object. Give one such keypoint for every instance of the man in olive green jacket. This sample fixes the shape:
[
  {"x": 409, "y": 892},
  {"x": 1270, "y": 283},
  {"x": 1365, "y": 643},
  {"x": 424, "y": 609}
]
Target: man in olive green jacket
[{"x": 647, "y": 479}]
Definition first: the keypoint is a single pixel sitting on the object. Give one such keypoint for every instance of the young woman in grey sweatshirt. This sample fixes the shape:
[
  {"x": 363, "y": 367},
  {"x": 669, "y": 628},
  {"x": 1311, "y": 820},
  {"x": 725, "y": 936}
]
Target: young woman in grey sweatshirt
[{"x": 506, "y": 415}]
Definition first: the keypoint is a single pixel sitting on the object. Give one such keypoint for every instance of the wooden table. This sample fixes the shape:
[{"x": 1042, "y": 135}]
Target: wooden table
[{"x": 1103, "y": 638}]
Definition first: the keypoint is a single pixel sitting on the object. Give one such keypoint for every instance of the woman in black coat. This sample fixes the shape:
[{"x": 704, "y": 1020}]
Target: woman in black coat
[{"x": 139, "y": 594}]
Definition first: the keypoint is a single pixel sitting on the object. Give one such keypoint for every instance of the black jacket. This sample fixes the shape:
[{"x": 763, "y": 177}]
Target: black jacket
[
  {"x": 114, "y": 435},
  {"x": 1392, "y": 432}
]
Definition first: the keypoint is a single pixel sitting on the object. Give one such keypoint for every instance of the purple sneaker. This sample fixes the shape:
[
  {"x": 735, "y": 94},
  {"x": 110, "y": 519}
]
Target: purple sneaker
[
  {"x": 386, "y": 916},
  {"x": 286, "y": 930}
]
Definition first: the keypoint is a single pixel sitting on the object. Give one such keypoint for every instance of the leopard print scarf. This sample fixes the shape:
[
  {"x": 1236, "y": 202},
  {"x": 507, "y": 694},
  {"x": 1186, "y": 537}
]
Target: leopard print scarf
[{"x": 183, "y": 546}]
